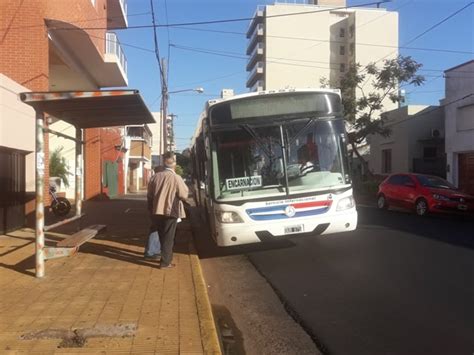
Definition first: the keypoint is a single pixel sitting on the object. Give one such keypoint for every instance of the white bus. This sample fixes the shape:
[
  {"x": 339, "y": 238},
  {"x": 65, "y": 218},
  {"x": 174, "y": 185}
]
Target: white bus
[{"x": 273, "y": 164}]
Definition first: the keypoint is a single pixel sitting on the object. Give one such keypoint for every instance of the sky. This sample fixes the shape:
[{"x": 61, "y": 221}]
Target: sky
[{"x": 190, "y": 68}]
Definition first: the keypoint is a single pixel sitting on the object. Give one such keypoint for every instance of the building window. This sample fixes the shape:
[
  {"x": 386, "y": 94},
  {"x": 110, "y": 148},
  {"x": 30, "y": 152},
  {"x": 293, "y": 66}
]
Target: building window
[
  {"x": 342, "y": 32},
  {"x": 352, "y": 49},
  {"x": 342, "y": 67},
  {"x": 386, "y": 161},
  {"x": 342, "y": 50},
  {"x": 351, "y": 31}
]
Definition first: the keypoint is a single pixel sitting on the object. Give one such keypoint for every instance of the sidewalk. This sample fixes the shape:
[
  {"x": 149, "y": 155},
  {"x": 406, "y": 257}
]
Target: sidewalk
[{"x": 106, "y": 298}]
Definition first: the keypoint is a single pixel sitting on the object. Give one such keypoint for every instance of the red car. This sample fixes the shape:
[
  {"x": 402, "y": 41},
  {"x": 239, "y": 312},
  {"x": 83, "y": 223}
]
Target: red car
[{"x": 423, "y": 193}]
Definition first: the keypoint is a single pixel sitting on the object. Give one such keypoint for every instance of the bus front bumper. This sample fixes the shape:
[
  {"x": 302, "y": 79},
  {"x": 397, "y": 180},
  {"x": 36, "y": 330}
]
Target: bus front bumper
[{"x": 245, "y": 233}]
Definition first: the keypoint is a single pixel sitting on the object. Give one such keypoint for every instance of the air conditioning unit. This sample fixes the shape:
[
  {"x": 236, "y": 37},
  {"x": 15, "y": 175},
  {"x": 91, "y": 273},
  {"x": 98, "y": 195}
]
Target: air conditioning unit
[{"x": 437, "y": 133}]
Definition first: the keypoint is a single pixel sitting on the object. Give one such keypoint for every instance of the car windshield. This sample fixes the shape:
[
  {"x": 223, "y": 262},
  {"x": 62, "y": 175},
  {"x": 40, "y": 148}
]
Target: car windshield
[
  {"x": 248, "y": 160},
  {"x": 434, "y": 182}
]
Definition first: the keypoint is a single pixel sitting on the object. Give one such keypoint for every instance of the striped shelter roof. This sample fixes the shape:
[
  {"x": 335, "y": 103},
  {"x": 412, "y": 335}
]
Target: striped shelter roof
[{"x": 89, "y": 109}]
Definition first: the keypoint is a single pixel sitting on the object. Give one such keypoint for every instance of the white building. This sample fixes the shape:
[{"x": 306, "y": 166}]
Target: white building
[
  {"x": 317, "y": 42},
  {"x": 416, "y": 142},
  {"x": 459, "y": 125},
  {"x": 157, "y": 147}
]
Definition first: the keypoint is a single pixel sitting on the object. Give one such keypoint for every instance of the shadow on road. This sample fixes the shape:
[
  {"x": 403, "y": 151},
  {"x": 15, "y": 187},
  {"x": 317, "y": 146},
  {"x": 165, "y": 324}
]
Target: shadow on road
[{"x": 452, "y": 229}]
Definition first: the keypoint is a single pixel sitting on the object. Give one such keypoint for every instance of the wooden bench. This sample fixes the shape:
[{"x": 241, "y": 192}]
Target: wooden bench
[
  {"x": 79, "y": 238},
  {"x": 71, "y": 244}
]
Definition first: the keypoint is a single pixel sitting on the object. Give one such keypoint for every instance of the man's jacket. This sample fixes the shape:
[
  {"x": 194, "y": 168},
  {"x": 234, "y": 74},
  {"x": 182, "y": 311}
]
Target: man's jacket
[{"x": 166, "y": 190}]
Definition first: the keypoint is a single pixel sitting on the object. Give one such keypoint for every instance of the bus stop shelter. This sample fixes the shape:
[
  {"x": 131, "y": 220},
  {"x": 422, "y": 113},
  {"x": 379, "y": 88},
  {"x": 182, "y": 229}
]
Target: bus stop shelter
[{"x": 82, "y": 109}]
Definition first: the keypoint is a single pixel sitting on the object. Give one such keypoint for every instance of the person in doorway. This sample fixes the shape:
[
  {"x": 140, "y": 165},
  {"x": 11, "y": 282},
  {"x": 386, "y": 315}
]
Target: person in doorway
[
  {"x": 166, "y": 193},
  {"x": 153, "y": 246}
]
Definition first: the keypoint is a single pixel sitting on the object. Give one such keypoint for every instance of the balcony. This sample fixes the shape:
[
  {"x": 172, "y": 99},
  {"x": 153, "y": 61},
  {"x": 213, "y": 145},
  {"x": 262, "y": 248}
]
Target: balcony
[
  {"x": 257, "y": 19},
  {"x": 115, "y": 56},
  {"x": 76, "y": 62},
  {"x": 140, "y": 142},
  {"x": 255, "y": 55},
  {"x": 258, "y": 86},
  {"x": 117, "y": 14},
  {"x": 257, "y": 36},
  {"x": 255, "y": 74}
]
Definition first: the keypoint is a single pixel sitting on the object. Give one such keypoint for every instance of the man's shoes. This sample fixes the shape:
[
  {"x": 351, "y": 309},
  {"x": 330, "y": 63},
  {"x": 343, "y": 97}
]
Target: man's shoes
[
  {"x": 153, "y": 257},
  {"x": 170, "y": 266}
]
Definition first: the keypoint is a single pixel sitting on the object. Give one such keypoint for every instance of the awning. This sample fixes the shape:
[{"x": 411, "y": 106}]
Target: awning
[{"x": 88, "y": 109}]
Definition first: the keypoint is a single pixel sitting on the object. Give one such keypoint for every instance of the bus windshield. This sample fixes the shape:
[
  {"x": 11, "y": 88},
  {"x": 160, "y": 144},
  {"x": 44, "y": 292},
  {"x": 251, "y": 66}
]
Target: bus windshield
[{"x": 248, "y": 161}]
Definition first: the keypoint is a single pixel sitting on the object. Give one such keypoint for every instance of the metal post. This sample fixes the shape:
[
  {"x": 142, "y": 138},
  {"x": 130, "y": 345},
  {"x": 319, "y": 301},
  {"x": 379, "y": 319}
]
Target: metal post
[
  {"x": 164, "y": 103},
  {"x": 40, "y": 165},
  {"x": 78, "y": 173}
]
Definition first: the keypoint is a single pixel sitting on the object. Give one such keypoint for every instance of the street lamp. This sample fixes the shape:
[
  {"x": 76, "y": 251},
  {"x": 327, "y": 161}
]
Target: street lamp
[{"x": 164, "y": 116}]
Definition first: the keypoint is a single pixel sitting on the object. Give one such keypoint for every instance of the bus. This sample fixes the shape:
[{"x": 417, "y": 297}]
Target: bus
[{"x": 273, "y": 164}]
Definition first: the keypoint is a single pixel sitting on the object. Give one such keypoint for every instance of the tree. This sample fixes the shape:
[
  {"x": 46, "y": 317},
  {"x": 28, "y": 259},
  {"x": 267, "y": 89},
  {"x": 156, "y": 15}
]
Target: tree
[
  {"x": 58, "y": 166},
  {"x": 179, "y": 170},
  {"x": 363, "y": 110}
]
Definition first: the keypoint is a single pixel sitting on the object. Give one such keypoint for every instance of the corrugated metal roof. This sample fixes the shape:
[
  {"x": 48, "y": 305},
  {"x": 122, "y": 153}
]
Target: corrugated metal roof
[{"x": 89, "y": 109}]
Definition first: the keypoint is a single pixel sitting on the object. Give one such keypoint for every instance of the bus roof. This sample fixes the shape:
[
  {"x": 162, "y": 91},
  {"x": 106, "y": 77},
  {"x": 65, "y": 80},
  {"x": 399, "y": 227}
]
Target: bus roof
[{"x": 270, "y": 92}]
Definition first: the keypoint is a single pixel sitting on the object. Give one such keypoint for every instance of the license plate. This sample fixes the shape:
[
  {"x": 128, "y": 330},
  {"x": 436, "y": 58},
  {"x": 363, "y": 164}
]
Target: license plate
[
  {"x": 462, "y": 207},
  {"x": 294, "y": 229}
]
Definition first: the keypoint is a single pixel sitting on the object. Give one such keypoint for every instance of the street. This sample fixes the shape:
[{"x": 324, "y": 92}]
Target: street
[{"x": 399, "y": 284}]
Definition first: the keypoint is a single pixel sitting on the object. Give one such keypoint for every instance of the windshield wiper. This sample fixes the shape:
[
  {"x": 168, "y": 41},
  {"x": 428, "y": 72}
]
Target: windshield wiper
[
  {"x": 297, "y": 134},
  {"x": 257, "y": 139}
]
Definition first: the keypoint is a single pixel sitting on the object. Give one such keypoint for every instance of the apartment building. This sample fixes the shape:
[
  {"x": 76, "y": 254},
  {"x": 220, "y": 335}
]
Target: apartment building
[
  {"x": 157, "y": 143},
  {"x": 138, "y": 145},
  {"x": 459, "y": 125},
  {"x": 295, "y": 44},
  {"x": 43, "y": 47}
]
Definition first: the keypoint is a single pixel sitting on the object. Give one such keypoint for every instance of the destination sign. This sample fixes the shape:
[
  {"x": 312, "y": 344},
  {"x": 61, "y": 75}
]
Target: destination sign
[{"x": 245, "y": 182}]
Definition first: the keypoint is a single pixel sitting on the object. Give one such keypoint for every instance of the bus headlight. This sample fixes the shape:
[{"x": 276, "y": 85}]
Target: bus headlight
[
  {"x": 228, "y": 217},
  {"x": 345, "y": 203}
]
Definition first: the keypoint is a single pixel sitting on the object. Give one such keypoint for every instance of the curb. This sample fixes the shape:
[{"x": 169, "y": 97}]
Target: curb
[{"x": 209, "y": 338}]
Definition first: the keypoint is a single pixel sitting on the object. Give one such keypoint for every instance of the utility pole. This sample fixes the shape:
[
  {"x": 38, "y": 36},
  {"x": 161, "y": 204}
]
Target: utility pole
[{"x": 164, "y": 104}]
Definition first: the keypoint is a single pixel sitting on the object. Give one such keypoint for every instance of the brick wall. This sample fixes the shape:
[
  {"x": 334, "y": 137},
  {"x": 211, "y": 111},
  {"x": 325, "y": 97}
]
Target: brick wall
[
  {"x": 24, "y": 50},
  {"x": 111, "y": 137}
]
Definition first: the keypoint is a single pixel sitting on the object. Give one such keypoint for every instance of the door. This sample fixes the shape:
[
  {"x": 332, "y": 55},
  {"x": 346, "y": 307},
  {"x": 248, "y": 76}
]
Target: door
[
  {"x": 407, "y": 190},
  {"x": 12, "y": 190},
  {"x": 466, "y": 172},
  {"x": 111, "y": 177}
]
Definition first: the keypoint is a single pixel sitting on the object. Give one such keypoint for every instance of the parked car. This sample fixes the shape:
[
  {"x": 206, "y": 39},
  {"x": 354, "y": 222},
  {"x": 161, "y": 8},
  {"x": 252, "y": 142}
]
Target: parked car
[{"x": 424, "y": 194}]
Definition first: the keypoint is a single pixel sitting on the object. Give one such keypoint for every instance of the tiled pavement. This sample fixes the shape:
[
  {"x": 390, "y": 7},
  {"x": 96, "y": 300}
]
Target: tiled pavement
[{"x": 104, "y": 286}]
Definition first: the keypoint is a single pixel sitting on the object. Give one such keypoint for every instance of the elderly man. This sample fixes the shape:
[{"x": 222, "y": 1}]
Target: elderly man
[{"x": 166, "y": 192}]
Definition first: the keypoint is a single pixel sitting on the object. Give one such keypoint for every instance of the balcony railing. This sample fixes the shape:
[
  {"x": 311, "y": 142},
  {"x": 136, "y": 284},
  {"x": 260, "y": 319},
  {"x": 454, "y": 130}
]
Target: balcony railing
[
  {"x": 112, "y": 46},
  {"x": 255, "y": 38},
  {"x": 255, "y": 74},
  {"x": 256, "y": 53},
  {"x": 257, "y": 18}
]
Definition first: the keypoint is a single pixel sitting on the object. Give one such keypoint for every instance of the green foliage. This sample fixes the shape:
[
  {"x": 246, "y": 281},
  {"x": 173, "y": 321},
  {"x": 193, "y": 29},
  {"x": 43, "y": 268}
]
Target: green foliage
[
  {"x": 364, "y": 110},
  {"x": 179, "y": 170},
  {"x": 185, "y": 163},
  {"x": 58, "y": 166}
]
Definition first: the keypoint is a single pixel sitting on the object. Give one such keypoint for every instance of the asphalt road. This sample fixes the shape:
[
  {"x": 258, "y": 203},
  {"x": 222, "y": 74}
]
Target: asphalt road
[{"x": 399, "y": 284}]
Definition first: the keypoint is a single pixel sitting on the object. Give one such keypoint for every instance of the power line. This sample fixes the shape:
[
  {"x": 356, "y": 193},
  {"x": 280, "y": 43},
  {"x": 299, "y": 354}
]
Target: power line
[
  {"x": 439, "y": 23},
  {"x": 76, "y": 21},
  {"x": 157, "y": 50},
  {"x": 442, "y": 50},
  {"x": 210, "y": 22}
]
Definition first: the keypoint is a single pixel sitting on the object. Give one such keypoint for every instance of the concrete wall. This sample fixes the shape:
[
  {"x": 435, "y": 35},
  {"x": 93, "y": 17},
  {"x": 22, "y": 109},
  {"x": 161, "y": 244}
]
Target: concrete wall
[
  {"x": 409, "y": 125},
  {"x": 458, "y": 108},
  {"x": 17, "y": 125}
]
